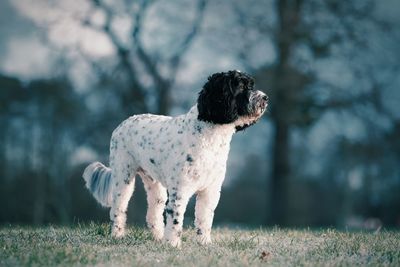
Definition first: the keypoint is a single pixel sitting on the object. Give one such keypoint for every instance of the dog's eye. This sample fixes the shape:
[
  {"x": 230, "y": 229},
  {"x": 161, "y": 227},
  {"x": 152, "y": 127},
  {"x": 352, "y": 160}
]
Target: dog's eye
[{"x": 241, "y": 87}]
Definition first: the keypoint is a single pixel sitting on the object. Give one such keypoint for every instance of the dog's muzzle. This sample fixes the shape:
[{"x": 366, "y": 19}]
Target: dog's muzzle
[{"x": 261, "y": 102}]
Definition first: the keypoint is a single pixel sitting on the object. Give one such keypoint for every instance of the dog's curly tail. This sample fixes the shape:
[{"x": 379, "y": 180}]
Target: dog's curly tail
[{"x": 98, "y": 181}]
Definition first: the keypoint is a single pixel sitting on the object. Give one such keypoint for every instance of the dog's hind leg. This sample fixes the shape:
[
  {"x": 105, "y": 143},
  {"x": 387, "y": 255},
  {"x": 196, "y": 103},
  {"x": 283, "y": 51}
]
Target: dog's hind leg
[
  {"x": 156, "y": 198},
  {"x": 123, "y": 177}
]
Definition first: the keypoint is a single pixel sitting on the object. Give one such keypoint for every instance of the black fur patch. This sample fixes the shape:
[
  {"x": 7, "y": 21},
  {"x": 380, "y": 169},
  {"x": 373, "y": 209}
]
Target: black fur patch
[
  {"x": 225, "y": 97},
  {"x": 169, "y": 211},
  {"x": 242, "y": 127},
  {"x": 189, "y": 158},
  {"x": 198, "y": 128}
]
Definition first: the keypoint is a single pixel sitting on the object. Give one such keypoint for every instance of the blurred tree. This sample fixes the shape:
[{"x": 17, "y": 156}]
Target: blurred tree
[
  {"x": 40, "y": 125},
  {"x": 148, "y": 39},
  {"x": 304, "y": 32},
  {"x": 135, "y": 59},
  {"x": 136, "y": 78},
  {"x": 294, "y": 103}
]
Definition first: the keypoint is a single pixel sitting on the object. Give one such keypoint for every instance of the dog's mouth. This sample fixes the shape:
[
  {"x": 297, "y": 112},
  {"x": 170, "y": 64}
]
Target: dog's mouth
[
  {"x": 245, "y": 121},
  {"x": 261, "y": 104}
]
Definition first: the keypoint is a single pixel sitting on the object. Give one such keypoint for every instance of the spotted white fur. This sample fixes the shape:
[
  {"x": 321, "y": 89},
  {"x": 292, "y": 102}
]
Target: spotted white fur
[{"x": 179, "y": 155}]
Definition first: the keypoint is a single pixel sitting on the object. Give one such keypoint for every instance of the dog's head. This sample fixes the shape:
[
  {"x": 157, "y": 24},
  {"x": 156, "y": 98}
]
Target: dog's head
[{"x": 229, "y": 97}]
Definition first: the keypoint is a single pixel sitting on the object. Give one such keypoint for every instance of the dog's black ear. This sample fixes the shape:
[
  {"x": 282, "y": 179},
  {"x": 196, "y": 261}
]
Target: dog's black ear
[{"x": 216, "y": 102}]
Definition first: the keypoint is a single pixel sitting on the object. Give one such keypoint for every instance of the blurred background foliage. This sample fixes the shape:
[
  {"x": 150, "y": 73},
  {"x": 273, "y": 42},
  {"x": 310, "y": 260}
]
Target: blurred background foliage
[{"x": 325, "y": 154}]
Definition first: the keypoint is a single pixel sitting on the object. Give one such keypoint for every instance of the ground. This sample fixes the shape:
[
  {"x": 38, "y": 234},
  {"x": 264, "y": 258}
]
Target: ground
[{"x": 92, "y": 244}]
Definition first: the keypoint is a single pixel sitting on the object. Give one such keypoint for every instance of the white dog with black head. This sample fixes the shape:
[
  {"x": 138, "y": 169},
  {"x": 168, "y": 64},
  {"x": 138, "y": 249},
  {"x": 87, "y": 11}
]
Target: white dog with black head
[{"x": 177, "y": 157}]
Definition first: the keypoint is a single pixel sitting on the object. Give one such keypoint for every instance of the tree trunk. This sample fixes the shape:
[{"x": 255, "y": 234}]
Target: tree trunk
[
  {"x": 280, "y": 174},
  {"x": 164, "y": 101},
  {"x": 39, "y": 201},
  {"x": 288, "y": 15}
]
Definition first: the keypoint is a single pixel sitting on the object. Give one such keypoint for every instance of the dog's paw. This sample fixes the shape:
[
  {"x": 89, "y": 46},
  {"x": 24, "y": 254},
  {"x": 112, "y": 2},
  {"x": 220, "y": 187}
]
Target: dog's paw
[
  {"x": 204, "y": 240},
  {"x": 158, "y": 235},
  {"x": 174, "y": 242},
  {"x": 117, "y": 232}
]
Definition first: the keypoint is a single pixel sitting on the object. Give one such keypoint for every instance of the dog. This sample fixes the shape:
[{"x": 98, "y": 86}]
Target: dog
[{"x": 177, "y": 157}]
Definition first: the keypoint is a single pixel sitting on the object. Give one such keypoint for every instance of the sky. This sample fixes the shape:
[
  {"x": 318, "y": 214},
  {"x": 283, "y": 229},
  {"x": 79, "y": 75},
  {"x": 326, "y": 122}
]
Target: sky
[{"x": 22, "y": 52}]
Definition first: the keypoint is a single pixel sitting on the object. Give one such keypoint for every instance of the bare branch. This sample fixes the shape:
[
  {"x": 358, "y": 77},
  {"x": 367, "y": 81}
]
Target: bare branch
[
  {"x": 144, "y": 57},
  {"x": 349, "y": 18},
  {"x": 121, "y": 50},
  {"x": 344, "y": 103},
  {"x": 135, "y": 92},
  {"x": 163, "y": 84},
  {"x": 188, "y": 40}
]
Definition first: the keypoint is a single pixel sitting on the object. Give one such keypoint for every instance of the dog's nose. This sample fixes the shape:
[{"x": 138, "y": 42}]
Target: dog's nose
[{"x": 265, "y": 97}]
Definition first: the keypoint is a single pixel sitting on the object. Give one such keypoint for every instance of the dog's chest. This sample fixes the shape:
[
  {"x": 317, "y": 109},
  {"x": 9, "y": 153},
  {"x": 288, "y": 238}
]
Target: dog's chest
[
  {"x": 197, "y": 156},
  {"x": 197, "y": 160}
]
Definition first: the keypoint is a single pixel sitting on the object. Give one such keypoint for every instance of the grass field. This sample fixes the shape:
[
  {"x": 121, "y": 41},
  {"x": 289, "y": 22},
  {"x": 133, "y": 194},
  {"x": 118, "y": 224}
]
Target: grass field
[{"x": 92, "y": 245}]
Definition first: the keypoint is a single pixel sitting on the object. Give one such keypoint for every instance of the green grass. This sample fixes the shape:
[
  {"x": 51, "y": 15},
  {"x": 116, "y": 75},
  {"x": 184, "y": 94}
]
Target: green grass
[{"x": 92, "y": 245}]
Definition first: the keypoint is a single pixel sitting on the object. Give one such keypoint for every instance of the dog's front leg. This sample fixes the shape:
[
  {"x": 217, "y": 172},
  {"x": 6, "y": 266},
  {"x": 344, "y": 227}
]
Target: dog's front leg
[
  {"x": 175, "y": 210},
  {"x": 206, "y": 202},
  {"x": 156, "y": 198}
]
